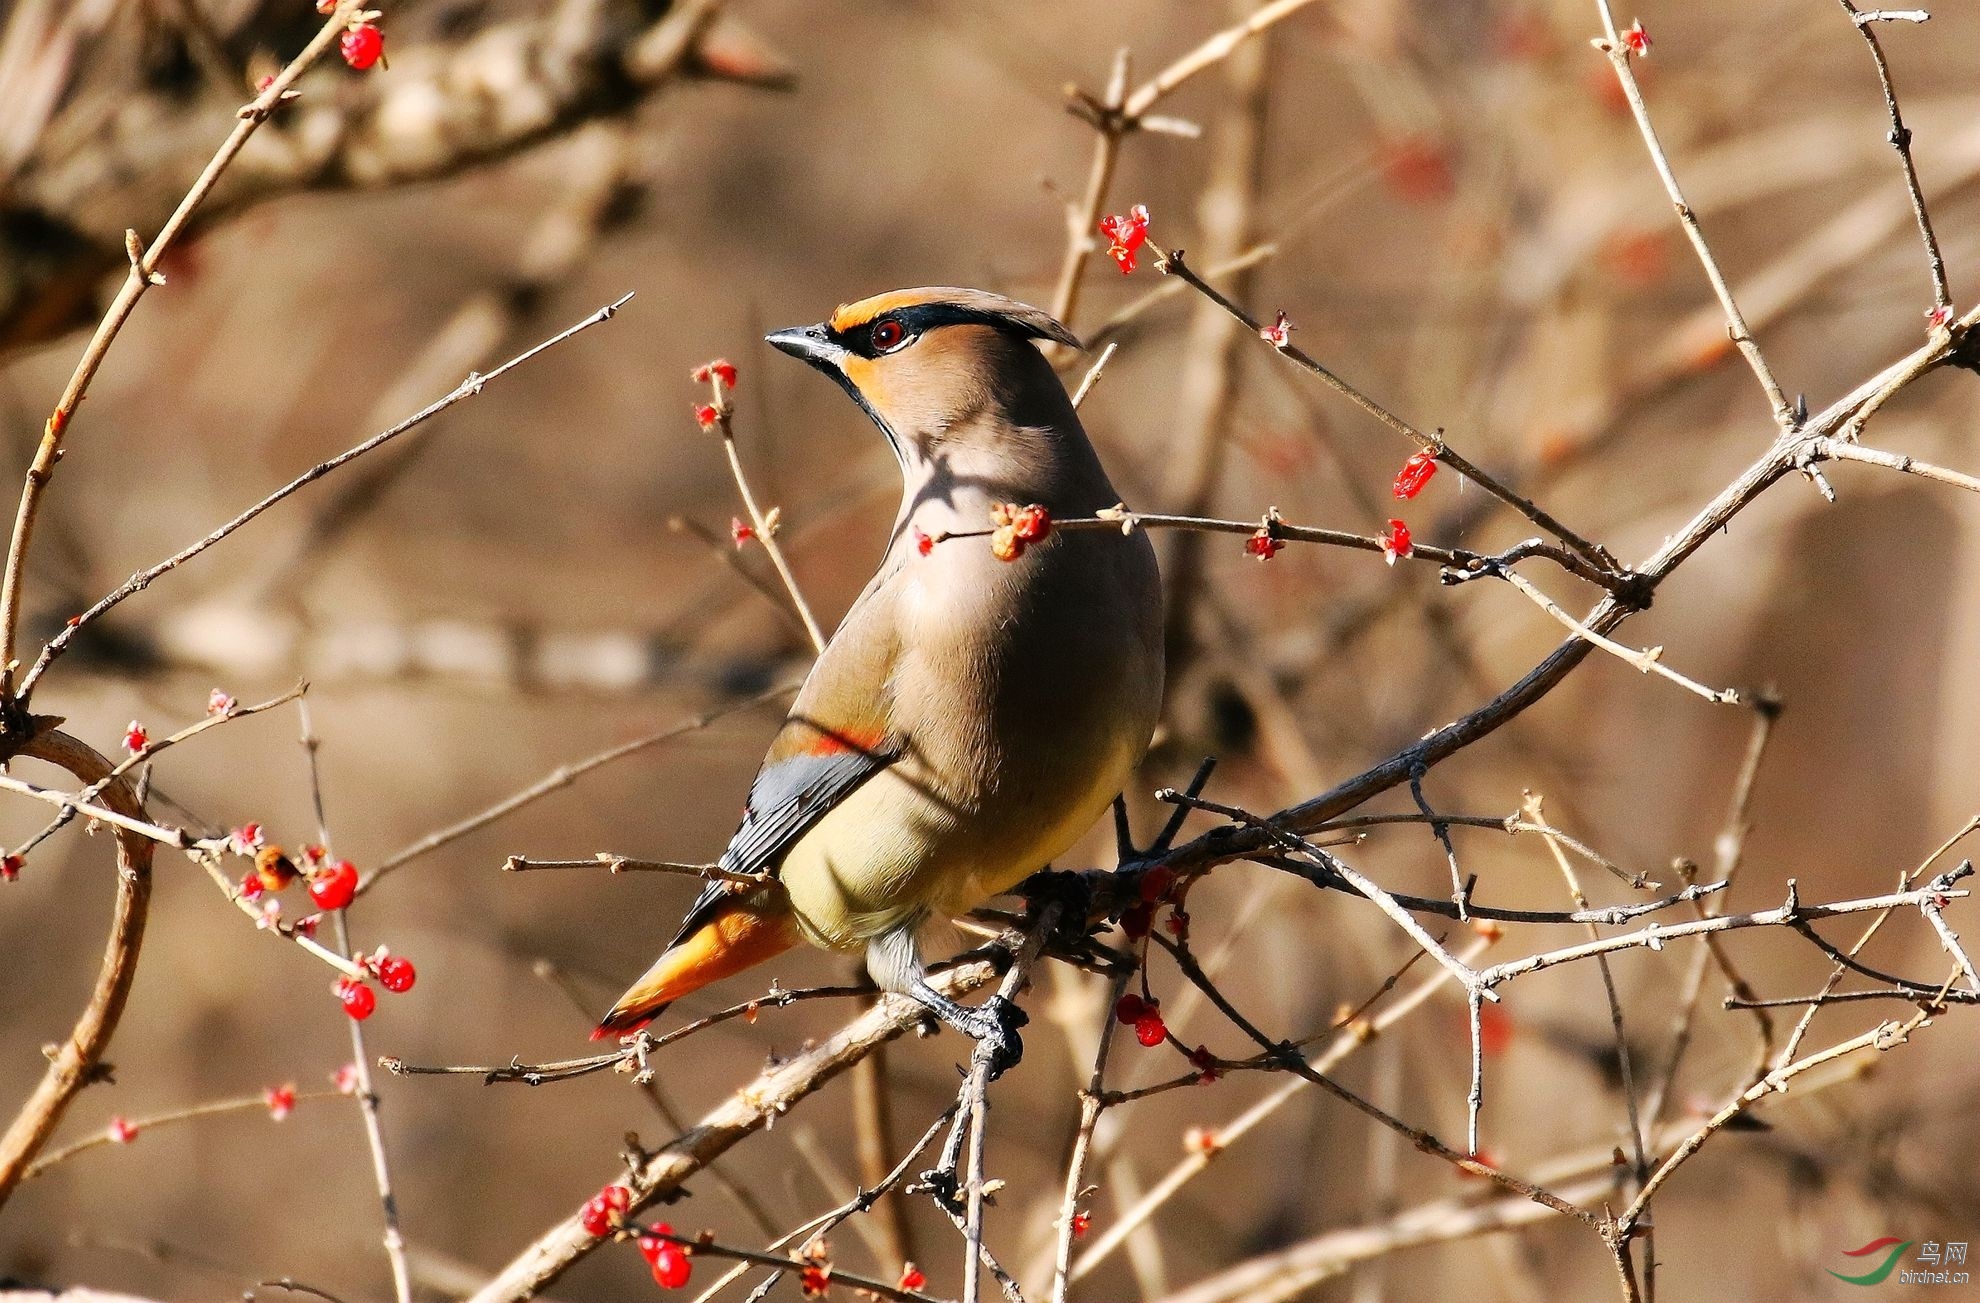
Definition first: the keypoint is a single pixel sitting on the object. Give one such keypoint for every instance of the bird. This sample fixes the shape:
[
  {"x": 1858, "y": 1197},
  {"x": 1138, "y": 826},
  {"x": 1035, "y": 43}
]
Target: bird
[{"x": 972, "y": 716}]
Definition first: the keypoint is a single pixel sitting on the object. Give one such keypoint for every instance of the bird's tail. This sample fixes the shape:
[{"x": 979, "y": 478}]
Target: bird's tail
[{"x": 735, "y": 936}]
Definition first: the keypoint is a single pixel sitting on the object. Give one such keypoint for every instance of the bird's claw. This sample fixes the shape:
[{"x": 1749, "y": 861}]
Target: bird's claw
[
  {"x": 995, "y": 1027},
  {"x": 940, "y": 1184}
]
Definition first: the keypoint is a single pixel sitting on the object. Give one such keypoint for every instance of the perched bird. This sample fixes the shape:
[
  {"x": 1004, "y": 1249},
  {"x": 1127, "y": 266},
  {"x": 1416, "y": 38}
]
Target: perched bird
[{"x": 972, "y": 716}]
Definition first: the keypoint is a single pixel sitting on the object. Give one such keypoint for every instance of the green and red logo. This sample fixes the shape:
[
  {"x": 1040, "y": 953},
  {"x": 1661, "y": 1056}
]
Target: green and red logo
[{"x": 1876, "y": 1274}]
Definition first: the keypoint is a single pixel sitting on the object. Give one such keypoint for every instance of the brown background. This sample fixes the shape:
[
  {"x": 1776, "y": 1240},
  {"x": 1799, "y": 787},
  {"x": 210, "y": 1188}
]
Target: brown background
[{"x": 926, "y": 143}]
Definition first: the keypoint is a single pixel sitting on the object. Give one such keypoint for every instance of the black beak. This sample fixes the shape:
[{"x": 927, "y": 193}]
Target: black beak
[{"x": 813, "y": 344}]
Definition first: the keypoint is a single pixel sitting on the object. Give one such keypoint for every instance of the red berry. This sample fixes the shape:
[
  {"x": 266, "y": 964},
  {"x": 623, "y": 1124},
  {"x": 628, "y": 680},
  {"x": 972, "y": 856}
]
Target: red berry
[
  {"x": 923, "y": 543},
  {"x": 1031, "y": 523},
  {"x": 1155, "y": 882},
  {"x": 10, "y": 868},
  {"x": 135, "y": 738},
  {"x": 1137, "y": 920},
  {"x": 1081, "y": 1224},
  {"x": 1417, "y": 169},
  {"x": 1149, "y": 1030},
  {"x": 649, "y": 1241},
  {"x": 740, "y": 531},
  {"x": 122, "y": 1130},
  {"x": 251, "y": 887},
  {"x": 281, "y": 1100},
  {"x": 671, "y": 1267},
  {"x": 707, "y": 415},
  {"x": 359, "y": 999},
  {"x": 1395, "y": 543},
  {"x": 1125, "y": 235},
  {"x": 721, "y": 371},
  {"x": 1130, "y": 1008},
  {"x": 597, "y": 1213},
  {"x": 1415, "y": 473},
  {"x": 912, "y": 1277},
  {"x": 1262, "y": 545},
  {"x": 334, "y": 887},
  {"x": 396, "y": 973},
  {"x": 362, "y": 46}
]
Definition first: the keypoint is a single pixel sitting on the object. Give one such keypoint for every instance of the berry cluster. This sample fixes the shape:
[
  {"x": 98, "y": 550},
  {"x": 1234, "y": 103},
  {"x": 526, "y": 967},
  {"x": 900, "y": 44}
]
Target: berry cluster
[{"x": 1017, "y": 528}]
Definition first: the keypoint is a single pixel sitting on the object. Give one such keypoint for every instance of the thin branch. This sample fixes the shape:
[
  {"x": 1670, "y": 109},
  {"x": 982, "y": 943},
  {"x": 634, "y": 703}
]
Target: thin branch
[
  {"x": 623, "y": 864},
  {"x": 1472, "y": 981},
  {"x": 1348, "y": 1038},
  {"x": 558, "y": 778},
  {"x": 1618, "y": 54},
  {"x": 140, "y": 1125},
  {"x": 1900, "y": 135},
  {"x": 143, "y": 756},
  {"x": 142, "y": 276},
  {"x": 138, "y": 582},
  {"x": 1897, "y": 461},
  {"x": 1645, "y": 662},
  {"x": 1170, "y": 263},
  {"x": 1885, "y": 1036},
  {"x": 1655, "y": 937},
  {"x": 1084, "y": 219},
  {"x": 1460, "y": 563},
  {"x": 876, "y": 1288},
  {"x": 390, "y": 1235},
  {"x": 657, "y": 1176},
  {"x": 1092, "y": 376},
  {"x": 1092, "y": 1103},
  {"x": 633, "y": 1052},
  {"x": 765, "y": 526}
]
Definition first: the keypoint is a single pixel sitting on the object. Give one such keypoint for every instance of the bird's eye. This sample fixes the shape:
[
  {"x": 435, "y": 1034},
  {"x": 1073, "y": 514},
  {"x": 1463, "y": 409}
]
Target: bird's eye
[{"x": 888, "y": 336}]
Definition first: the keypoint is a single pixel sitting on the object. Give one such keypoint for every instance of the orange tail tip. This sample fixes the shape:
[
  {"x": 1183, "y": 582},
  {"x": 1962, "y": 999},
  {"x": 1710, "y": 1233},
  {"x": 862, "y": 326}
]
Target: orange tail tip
[{"x": 735, "y": 939}]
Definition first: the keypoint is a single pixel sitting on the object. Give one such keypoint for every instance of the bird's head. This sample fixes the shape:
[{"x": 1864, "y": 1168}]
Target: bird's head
[{"x": 927, "y": 364}]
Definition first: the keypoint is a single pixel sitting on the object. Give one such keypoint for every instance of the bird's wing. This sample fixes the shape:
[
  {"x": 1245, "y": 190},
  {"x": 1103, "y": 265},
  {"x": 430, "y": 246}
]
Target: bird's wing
[{"x": 837, "y": 736}]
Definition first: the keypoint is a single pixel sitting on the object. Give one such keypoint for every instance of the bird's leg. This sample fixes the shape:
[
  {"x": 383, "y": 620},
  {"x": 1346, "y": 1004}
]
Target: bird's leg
[{"x": 894, "y": 960}]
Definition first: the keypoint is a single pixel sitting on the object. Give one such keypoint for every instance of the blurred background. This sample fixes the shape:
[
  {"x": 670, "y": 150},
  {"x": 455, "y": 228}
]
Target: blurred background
[{"x": 1453, "y": 206}]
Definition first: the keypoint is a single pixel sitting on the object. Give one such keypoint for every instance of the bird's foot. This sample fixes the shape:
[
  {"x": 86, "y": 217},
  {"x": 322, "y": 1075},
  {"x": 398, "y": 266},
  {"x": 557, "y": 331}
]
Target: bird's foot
[
  {"x": 943, "y": 1185},
  {"x": 994, "y": 1026},
  {"x": 1074, "y": 894}
]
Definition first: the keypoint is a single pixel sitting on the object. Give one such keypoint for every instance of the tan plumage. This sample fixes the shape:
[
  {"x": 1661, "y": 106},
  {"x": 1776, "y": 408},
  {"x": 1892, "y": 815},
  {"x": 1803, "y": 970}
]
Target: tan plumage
[{"x": 971, "y": 717}]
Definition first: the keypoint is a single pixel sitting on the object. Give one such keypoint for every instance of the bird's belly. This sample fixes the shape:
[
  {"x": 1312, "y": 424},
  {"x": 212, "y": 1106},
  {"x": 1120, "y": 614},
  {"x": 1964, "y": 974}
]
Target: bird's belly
[{"x": 897, "y": 850}]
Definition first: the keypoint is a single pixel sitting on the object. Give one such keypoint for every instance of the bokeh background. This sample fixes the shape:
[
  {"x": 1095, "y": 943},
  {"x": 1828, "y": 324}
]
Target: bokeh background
[{"x": 1457, "y": 215}]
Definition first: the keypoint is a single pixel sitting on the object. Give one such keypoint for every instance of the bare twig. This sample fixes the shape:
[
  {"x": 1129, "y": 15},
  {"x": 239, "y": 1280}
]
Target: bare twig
[
  {"x": 142, "y": 276},
  {"x": 560, "y": 777},
  {"x": 213, "y": 1108},
  {"x": 1646, "y": 662},
  {"x": 1865, "y": 23},
  {"x": 1170, "y": 262},
  {"x": 624, "y": 864},
  {"x": 138, "y": 582},
  {"x": 1618, "y": 53},
  {"x": 764, "y": 525}
]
